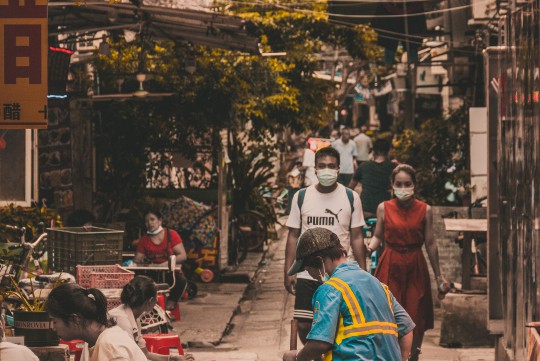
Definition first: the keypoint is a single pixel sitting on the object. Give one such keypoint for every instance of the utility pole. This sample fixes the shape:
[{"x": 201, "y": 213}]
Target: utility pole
[{"x": 409, "y": 81}]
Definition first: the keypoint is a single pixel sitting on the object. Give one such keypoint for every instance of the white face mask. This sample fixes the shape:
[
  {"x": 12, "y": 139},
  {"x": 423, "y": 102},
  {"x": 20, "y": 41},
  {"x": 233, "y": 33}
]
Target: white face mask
[
  {"x": 153, "y": 233},
  {"x": 404, "y": 194},
  {"x": 327, "y": 177}
]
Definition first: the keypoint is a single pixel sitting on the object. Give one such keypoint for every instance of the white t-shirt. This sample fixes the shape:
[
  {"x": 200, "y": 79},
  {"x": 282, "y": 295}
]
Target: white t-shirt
[
  {"x": 327, "y": 210},
  {"x": 363, "y": 146},
  {"x": 11, "y": 351},
  {"x": 114, "y": 344},
  {"x": 346, "y": 154},
  {"x": 309, "y": 163},
  {"x": 123, "y": 315}
]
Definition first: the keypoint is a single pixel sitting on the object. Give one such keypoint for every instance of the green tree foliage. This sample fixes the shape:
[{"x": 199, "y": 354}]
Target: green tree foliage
[
  {"x": 439, "y": 151},
  {"x": 227, "y": 91}
]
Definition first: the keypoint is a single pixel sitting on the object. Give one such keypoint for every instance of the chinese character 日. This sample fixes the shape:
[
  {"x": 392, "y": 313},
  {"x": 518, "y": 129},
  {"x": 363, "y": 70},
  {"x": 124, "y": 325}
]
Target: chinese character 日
[
  {"x": 23, "y": 42},
  {"x": 12, "y": 111}
]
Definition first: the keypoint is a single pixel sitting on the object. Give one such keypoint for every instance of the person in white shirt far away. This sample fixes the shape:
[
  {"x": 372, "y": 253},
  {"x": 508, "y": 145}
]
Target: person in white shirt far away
[
  {"x": 363, "y": 145},
  {"x": 348, "y": 153}
]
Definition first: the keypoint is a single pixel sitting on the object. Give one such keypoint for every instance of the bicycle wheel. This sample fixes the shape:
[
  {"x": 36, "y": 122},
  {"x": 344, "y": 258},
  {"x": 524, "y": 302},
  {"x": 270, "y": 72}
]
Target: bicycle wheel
[{"x": 252, "y": 226}]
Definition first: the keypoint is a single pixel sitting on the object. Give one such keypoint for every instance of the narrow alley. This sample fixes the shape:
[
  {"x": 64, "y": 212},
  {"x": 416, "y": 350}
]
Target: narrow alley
[{"x": 260, "y": 328}]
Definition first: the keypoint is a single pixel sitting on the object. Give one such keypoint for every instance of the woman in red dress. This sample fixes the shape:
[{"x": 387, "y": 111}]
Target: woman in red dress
[
  {"x": 156, "y": 246},
  {"x": 405, "y": 224}
]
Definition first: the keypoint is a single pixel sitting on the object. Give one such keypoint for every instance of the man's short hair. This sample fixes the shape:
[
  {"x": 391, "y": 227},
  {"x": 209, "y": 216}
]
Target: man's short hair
[
  {"x": 327, "y": 151},
  {"x": 381, "y": 147}
]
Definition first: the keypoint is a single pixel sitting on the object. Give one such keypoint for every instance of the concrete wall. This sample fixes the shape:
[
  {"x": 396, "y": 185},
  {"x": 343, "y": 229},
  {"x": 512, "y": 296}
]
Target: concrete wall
[{"x": 449, "y": 251}]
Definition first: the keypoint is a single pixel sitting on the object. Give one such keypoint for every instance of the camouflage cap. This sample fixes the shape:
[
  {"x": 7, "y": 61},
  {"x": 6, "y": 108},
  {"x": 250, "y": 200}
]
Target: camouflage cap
[{"x": 311, "y": 241}]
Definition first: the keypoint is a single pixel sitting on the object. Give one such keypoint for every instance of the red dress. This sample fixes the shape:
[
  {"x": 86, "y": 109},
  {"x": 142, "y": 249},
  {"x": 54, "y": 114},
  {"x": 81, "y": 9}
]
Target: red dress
[{"x": 402, "y": 265}]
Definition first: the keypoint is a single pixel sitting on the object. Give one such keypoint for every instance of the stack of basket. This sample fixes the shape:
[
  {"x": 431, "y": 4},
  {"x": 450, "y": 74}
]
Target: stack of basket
[{"x": 110, "y": 279}]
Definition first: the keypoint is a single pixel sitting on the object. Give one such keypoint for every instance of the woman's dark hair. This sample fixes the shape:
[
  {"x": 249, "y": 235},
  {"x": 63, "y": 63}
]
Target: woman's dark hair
[
  {"x": 155, "y": 212},
  {"x": 327, "y": 151},
  {"x": 70, "y": 299},
  {"x": 139, "y": 290},
  {"x": 405, "y": 168}
]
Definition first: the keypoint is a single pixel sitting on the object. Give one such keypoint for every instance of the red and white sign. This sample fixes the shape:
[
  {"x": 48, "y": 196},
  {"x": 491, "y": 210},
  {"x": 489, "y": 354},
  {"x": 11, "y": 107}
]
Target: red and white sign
[{"x": 23, "y": 64}]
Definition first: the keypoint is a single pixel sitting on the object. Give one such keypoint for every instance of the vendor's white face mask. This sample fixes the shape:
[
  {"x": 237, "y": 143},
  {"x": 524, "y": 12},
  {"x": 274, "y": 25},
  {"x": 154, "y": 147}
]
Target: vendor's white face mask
[{"x": 153, "y": 233}]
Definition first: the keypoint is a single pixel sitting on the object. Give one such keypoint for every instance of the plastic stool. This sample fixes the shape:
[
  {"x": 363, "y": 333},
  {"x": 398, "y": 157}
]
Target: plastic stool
[
  {"x": 175, "y": 312},
  {"x": 75, "y": 347},
  {"x": 161, "y": 343}
]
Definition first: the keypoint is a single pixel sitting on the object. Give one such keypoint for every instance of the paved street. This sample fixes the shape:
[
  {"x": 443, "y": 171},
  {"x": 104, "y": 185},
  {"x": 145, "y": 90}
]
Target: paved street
[{"x": 260, "y": 328}]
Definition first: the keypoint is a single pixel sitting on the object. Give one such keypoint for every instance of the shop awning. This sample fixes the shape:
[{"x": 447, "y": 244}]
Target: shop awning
[{"x": 179, "y": 25}]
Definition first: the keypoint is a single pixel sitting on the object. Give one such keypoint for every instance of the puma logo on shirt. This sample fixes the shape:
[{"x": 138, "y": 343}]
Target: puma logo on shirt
[
  {"x": 332, "y": 213},
  {"x": 322, "y": 220}
]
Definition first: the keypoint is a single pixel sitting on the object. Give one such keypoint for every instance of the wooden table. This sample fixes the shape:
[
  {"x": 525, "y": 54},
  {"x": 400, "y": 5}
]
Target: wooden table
[{"x": 468, "y": 227}]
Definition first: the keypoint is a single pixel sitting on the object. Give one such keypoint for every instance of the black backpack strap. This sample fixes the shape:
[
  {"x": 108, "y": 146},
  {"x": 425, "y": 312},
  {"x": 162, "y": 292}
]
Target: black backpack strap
[
  {"x": 300, "y": 201},
  {"x": 350, "y": 195},
  {"x": 301, "y": 195}
]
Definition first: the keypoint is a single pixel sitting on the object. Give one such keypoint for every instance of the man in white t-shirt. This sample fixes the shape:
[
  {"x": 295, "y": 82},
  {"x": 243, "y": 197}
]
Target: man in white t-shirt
[
  {"x": 347, "y": 152},
  {"x": 363, "y": 145},
  {"x": 326, "y": 204}
]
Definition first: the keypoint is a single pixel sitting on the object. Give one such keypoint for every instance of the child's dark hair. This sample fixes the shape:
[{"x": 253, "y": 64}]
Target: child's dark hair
[
  {"x": 327, "y": 151},
  {"x": 139, "y": 290},
  {"x": 70, "y": 299}
]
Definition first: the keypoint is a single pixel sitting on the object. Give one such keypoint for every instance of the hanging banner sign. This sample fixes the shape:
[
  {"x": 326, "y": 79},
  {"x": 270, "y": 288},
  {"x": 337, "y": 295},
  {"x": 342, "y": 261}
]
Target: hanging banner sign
[{"x": 23, "y": 64}]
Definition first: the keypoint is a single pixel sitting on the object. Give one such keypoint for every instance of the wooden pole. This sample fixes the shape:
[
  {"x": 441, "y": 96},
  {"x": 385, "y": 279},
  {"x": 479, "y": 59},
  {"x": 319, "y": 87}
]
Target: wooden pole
[{"x": 294, "y": 334}]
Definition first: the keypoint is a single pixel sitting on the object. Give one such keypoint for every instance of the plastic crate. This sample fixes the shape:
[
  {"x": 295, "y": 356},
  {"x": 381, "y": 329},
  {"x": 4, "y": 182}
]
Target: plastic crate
[
  {"x": 71, "y": 246},
  {"x": 103, "y": 276}
]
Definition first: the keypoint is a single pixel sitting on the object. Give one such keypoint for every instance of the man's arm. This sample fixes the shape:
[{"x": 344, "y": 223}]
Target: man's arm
[
  {"x": 313, "y": 350},
  {"x": 357, "y": 245},
  {"x": 378, "y": 237},
  {"x": 405, "y": 344},
  {"x": 290, "y": 255}
]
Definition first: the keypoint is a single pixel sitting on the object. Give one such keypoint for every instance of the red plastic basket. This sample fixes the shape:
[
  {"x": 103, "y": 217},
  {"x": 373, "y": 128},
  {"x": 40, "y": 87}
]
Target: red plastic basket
[{"x": 112, "y": 276}]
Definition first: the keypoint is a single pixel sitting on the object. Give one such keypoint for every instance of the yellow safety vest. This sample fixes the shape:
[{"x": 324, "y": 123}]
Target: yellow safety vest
[{"x": 359, "y": 325}]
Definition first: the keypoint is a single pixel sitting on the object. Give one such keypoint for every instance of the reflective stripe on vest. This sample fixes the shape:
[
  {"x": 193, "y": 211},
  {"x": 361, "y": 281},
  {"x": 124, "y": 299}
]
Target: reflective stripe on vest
[{"x": 360, "y": 327}]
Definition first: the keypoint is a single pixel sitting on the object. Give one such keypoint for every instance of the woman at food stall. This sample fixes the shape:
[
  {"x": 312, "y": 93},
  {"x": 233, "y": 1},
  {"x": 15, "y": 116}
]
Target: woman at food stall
[
  {"x": 156, "y": 246},
  {"x": 81, "y": 314},
  {"x": 138, "y": 297},
  {"x": 405, "y": 224}
]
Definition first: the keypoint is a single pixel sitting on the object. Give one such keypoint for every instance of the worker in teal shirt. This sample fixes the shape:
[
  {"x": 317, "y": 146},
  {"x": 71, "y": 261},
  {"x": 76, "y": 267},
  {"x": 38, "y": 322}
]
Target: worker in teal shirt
[{"x": 355, "y": 317}]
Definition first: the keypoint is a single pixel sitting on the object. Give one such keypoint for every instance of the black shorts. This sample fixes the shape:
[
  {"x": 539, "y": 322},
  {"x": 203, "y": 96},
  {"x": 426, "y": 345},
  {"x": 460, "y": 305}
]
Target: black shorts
[{"x": 305, "y": 289}]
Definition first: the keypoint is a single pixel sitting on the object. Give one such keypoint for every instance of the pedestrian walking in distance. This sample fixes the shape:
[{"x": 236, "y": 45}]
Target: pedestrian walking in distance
[
  {"x": 405, "y": 224},
  {"x": 347, "y": 151},
  {"x": 326, "y": 204},
  {"x": 355, "y": 316},
  {"x": 374, "y": 176}
]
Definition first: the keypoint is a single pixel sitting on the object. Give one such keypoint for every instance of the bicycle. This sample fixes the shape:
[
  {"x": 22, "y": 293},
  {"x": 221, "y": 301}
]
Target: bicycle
[
  {"x": 19, "y": 283},
  {"x": 247, "y": 232}
]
